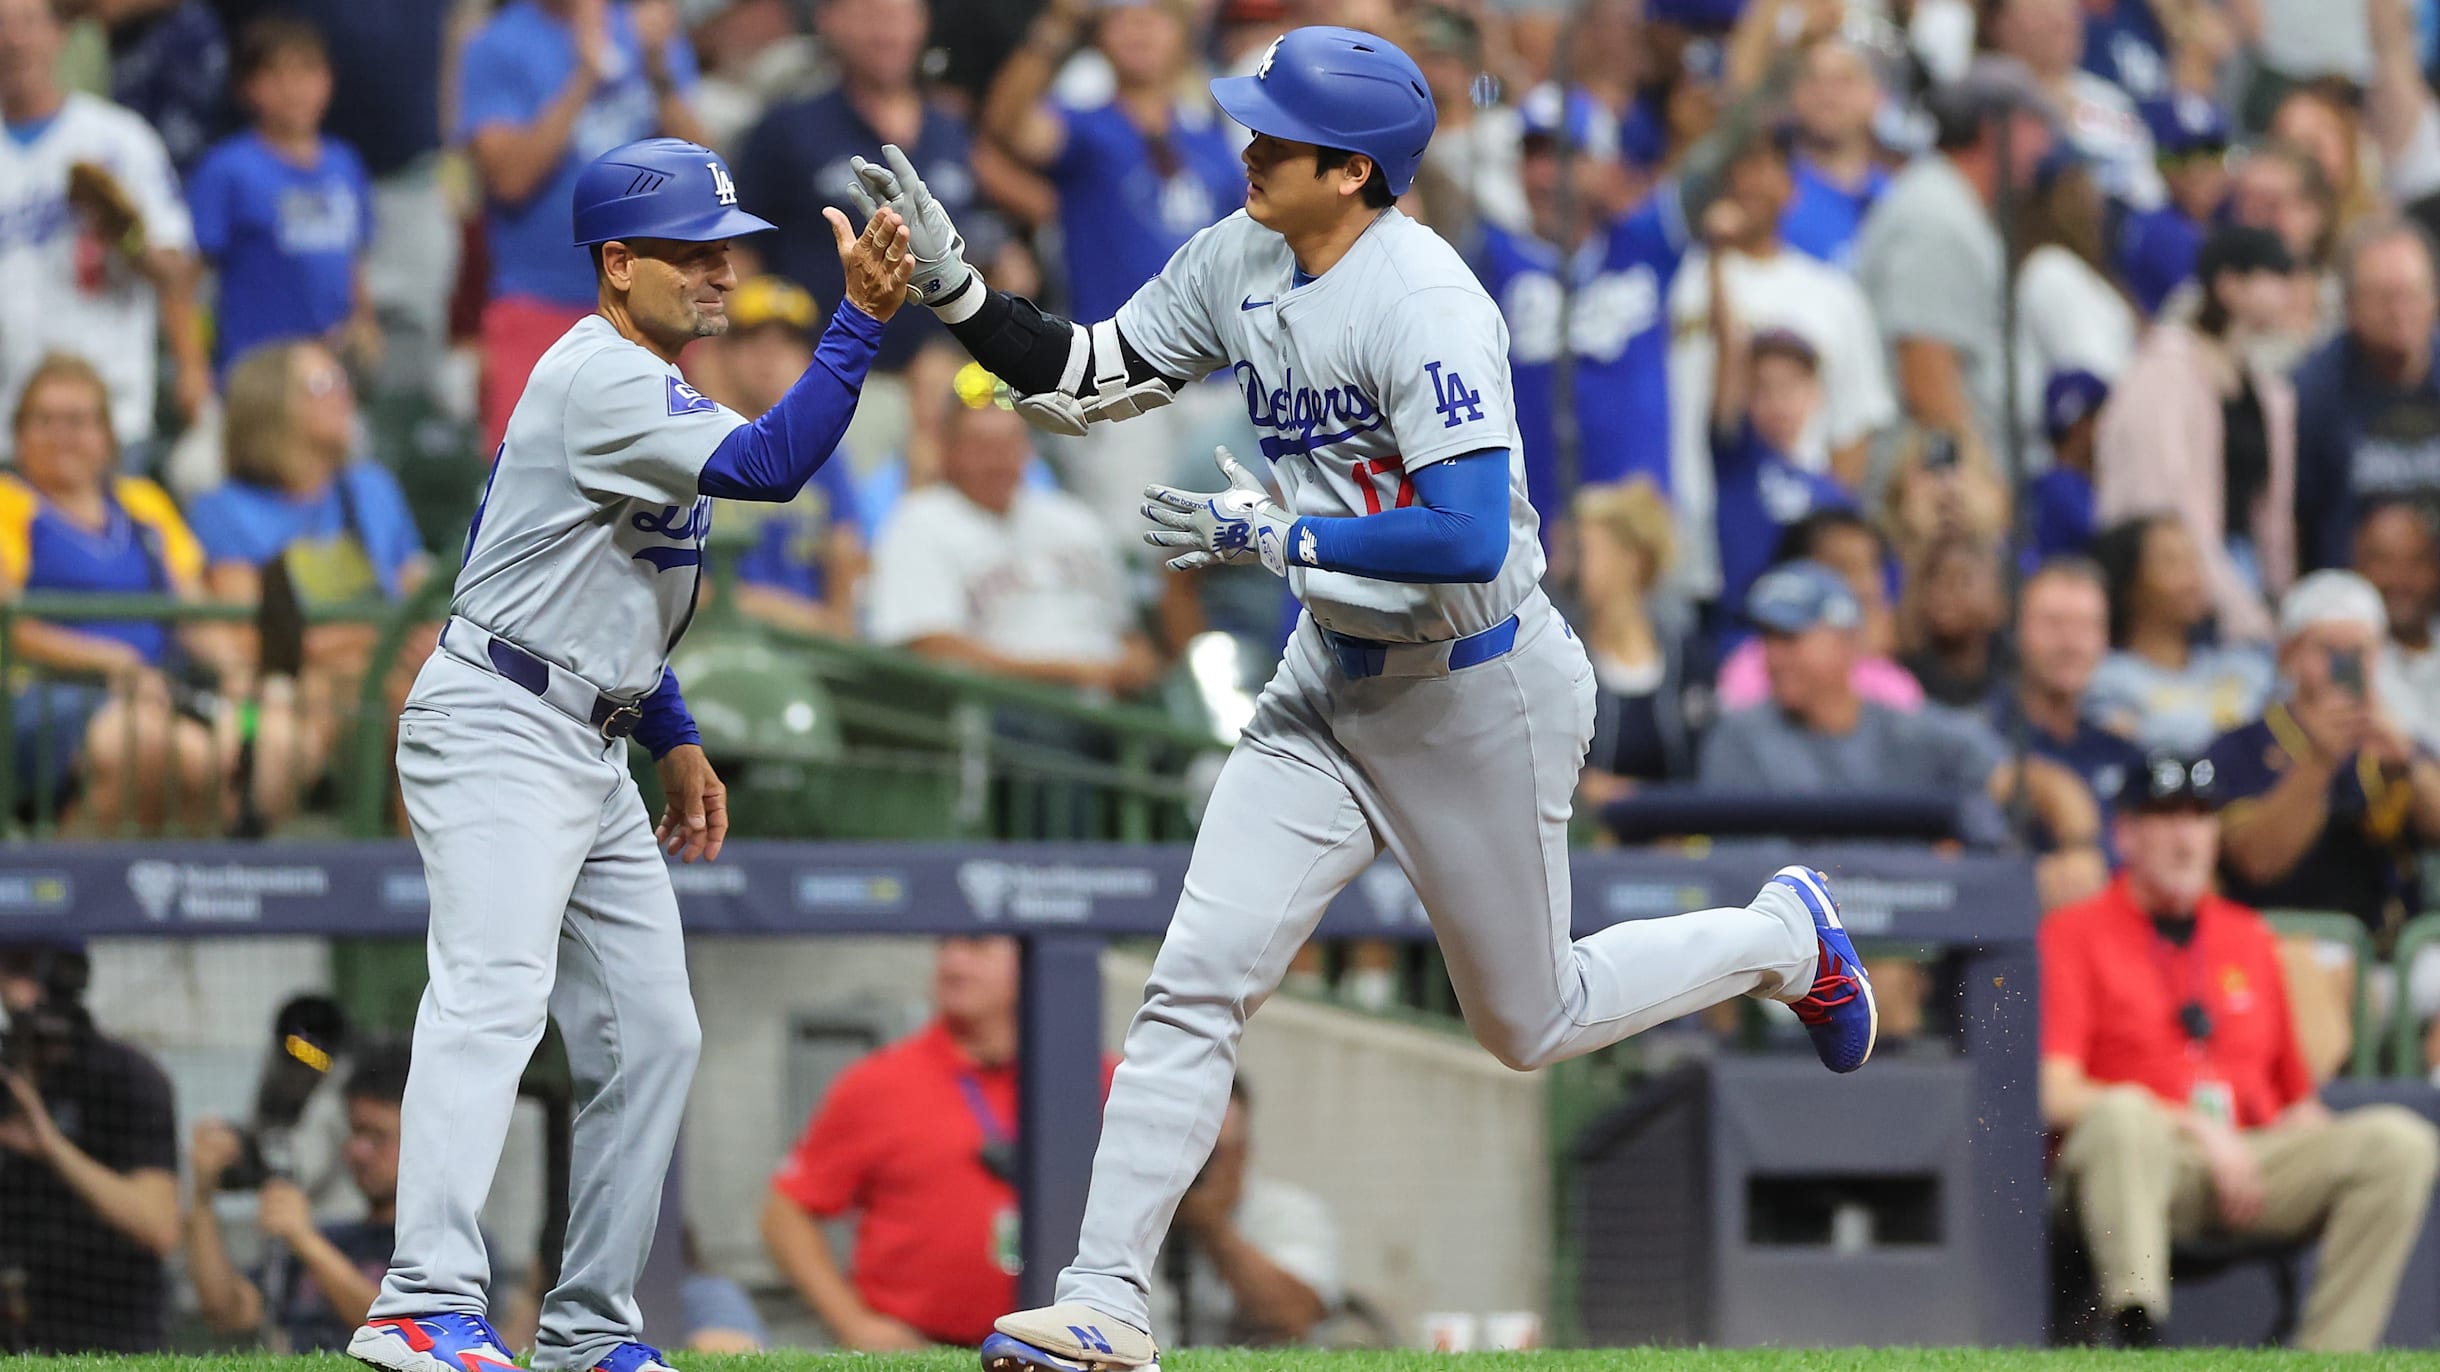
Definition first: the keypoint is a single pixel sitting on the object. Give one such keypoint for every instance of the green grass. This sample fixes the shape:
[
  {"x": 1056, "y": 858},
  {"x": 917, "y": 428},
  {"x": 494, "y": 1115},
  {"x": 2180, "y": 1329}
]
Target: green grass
[{"x": 1600, "y": 1360}]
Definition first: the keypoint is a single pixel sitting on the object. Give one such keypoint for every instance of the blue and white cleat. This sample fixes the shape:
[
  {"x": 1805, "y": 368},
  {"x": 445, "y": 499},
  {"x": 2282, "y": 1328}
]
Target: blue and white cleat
[
  {"x": 1838, "y": 1012},
  {"x": 633, "y": 1357},
  {"x": 449, "y": 1342},
  {"x": 1068, "y": 1338}
]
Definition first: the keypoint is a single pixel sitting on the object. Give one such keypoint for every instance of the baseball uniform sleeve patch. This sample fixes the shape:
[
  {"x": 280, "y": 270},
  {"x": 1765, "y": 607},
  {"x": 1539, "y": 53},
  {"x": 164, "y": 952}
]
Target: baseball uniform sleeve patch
[{"x": 685, "y": 399}]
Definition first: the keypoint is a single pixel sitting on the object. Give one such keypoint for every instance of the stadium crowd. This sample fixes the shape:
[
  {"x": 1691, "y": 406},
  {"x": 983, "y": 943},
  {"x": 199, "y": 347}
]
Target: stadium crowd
[{"x": 1978, "y": 401}]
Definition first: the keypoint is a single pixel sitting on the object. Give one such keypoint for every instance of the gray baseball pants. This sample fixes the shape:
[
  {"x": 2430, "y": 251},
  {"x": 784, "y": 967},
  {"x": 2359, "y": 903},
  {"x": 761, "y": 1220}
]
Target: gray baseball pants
[
  {"x": 548, "y": 895},
  {"x": 1466, "y": 778}
]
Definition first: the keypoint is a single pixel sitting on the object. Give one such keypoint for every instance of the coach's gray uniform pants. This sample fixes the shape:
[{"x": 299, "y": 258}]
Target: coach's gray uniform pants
[
  {"x": 1466, "y": 779},
  {"x": 548, "y": 893}
]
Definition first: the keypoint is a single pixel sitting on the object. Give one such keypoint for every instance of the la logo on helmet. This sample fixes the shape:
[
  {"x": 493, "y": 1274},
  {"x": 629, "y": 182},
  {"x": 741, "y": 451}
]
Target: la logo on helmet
[
  {"x": 723, "y": 189},
  {"x": 1270, "y": 55}
]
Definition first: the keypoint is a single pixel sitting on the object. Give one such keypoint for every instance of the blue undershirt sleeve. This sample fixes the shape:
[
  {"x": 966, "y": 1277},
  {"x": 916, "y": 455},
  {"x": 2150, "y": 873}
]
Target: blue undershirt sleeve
[
  {"x": 1457, "y": 531},
  {"x": 666, "y": 723},
  {"x": 772, "y": 458}
]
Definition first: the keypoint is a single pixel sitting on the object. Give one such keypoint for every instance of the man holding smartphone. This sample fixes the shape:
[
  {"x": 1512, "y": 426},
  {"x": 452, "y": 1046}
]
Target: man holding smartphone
[{"x": 2330, "y": 802}]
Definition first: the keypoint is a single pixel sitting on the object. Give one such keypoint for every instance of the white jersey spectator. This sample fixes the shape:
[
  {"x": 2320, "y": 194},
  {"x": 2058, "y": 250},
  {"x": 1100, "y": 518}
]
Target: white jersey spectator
[
  {"x": 984, "y": 572},
  {"x": 61, "y": 288}
]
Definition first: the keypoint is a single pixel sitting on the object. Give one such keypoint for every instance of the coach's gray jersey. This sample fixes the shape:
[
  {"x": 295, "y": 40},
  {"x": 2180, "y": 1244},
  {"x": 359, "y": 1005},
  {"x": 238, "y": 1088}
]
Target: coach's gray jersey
[
  {"x": 1390, "y": 361},
  {"x": 588, "y": 545}
]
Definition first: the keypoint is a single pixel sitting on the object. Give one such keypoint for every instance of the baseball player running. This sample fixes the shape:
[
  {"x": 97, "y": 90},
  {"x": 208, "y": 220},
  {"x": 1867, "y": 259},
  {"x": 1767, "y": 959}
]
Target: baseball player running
[
  {"x": 548, "y": 886},
  {"x": 1431, "y": 703}
]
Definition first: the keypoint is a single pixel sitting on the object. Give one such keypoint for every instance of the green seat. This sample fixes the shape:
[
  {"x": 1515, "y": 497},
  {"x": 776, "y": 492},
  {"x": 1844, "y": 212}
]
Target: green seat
[
  {"x": 2405, "y": 1038},
  {"x": 2364, "y": 1059}
]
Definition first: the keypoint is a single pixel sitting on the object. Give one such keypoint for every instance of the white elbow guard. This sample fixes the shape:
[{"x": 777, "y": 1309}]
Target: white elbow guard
[{"x": 1112, "y": 396}]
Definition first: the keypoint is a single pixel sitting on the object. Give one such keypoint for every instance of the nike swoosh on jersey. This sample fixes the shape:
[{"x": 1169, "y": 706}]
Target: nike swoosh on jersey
[{"x": 1252, "y": 304}]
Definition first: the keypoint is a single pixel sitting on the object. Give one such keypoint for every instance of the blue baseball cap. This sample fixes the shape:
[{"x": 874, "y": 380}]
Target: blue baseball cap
[
  {"x": 1801, "y": 595},
  {"x": 2185, "y": 123},
  {"x": 2068, "y": 397}
]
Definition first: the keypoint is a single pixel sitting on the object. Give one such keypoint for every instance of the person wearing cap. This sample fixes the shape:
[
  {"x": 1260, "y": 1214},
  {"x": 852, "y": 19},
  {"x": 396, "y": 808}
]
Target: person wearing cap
[
  {"x": 808, "y": 556},
  {"x": 2368, "y": 403},
  {"x": 2170, "y": 1069},
  {"x": 2330, "y": 804},
  {"x": 2157, "y": 247},
  {"x": 88, "y": 1168},
  {"x": 1817, "y": 734},
  {"x": 2063, "y": 521},
  {"x": 1930, "y": 258},
  {"x": 544, "y": 87},
  {"x": 1782, "y": 296},
  {"x": 2209, "y": 433},
  {"x": 1765, "y": 391},
  {"x": 1476, "y": 148}
]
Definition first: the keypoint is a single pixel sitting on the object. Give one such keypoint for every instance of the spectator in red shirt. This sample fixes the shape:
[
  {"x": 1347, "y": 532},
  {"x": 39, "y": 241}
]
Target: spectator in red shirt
[
  {"x": 2170, "y": 1066},
  {"x": 919, "y": 1141}
]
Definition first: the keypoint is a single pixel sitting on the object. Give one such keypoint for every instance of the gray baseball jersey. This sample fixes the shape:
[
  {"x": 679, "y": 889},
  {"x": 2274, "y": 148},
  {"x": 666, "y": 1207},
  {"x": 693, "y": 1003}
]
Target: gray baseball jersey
[
  {"x": 547, "y": 888},
  {"x": 1392, "y": 360},
  {"x": 589, "y": 540}
]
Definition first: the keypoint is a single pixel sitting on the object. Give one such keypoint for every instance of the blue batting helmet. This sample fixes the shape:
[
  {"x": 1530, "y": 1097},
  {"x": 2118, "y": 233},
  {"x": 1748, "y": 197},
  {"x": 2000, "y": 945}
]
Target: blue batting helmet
[
  {"x": 660, "y": 188},
  {"x": 1338, "y": 88}
]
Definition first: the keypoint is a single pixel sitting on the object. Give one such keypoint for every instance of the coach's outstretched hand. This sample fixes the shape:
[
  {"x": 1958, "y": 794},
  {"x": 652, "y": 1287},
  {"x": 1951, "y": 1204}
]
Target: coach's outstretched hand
[
  {"x": 940, "y": 252},
  {"x": 696, "y": 818},
  {"x": 876, "y": 262}
]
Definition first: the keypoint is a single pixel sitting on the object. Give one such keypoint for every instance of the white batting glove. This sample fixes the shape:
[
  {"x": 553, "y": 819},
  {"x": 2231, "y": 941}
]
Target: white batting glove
[
  {"x": 939, "y": 250},
  {"x": 1234, "y": 525}
]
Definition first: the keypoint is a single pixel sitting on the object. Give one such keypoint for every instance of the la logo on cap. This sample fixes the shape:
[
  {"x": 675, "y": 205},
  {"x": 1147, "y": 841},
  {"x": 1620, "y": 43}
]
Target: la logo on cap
[
  {"x": 723, "y": 189},
  {"x": 1270, "y": 55}
]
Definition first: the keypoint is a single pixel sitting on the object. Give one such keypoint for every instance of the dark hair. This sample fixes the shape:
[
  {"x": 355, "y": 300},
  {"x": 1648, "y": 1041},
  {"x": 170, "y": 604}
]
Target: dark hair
[
  {"x": 2076, "y": 567},
  {"x": 380, "y": 1075},
  {"x": 2118, "y": 553},
  {"x": 1377, "y": 194},
  {"x": 2413, "y": 509},
  {"x": 1803, "y": 539},
  {"x": 270, "y": 37}
]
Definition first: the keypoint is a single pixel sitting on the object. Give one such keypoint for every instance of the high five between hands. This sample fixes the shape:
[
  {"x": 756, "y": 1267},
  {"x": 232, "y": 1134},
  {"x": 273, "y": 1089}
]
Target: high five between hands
[{"x": 1239, "y": 524}]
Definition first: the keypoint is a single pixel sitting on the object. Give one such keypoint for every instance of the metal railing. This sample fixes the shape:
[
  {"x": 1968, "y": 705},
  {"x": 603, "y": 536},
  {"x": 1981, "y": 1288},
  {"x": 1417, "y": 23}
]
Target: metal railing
[{"x": 919, "y": 749}]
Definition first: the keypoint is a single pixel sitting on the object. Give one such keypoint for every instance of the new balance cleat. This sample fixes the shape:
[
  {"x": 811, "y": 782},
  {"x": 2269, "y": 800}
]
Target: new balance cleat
[
  {"x": 633, "y": 1357},
  {"x": 449, "y": 1342},
  {"x": 1838, "y": 1012},
  {"x": 1068, "y": 1338}
]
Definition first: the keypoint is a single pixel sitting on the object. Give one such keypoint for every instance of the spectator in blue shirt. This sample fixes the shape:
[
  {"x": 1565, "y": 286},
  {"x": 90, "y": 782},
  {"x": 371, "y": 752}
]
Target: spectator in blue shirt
[
  {"x": 1137, "y": 174},
  {"x": 1837, "y": 167},
  {"x": 2063, "y": 496},
  {"x": 808, "y": 556},
  {"x": 1765, "y": 390},
  {"x": 2368, "y": 403},
  {"x": 169, "y": 61},
  {"x": 796, "y": 160},
  {"x": 283, "y": 211},
  {"x": 386, "y": 63},
  {"x": 2157, "y": 248},
  {"x": 545, "y": 87}
]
